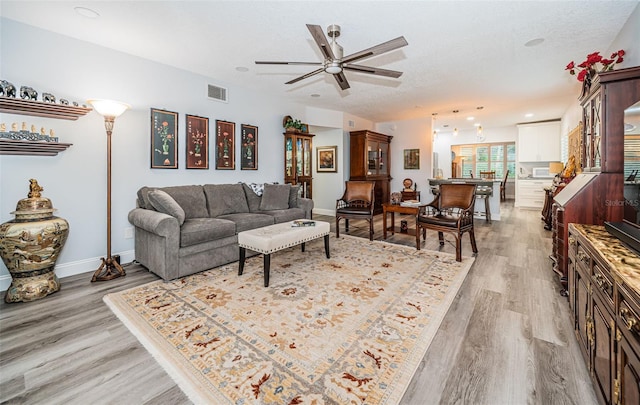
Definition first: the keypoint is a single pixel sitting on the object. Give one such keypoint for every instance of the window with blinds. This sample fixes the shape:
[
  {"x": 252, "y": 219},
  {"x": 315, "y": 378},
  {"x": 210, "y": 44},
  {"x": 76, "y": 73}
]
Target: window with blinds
[
  {"x": 631, "y": 154},
  {"x": 486, "y": 157}
]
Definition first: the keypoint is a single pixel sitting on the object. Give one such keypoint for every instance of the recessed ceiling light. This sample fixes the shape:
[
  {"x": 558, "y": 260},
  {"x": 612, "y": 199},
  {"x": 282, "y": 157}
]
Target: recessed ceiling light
[
  {"x": 86, "y": 12},
  {"x": 528, "y": 115},
  {"x": 470, "y": 118},
  {"x": 477, "y": 124},
  {"x": 534, "y": 42},
  {"x": 445, "y": 126},
  {"x": 315, "y": 95},
  {"x": 242, "y": 69}
]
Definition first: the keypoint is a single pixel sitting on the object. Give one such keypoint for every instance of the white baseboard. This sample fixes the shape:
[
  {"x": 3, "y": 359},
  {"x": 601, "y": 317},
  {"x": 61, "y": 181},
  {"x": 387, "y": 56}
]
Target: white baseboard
[
  {"x": 320, "y": 211},
  {"x": 73, "y": 268}
]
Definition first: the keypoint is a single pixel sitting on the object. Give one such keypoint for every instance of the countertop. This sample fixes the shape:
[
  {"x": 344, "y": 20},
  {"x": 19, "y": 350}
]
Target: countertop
[{"x": 623, "y": 261}]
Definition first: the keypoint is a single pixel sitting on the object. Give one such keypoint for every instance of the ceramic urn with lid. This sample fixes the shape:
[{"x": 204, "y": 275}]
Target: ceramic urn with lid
[{"x": 30, "y": 245}]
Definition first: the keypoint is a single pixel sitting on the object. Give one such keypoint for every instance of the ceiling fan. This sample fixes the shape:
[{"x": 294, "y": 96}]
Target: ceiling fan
[{"x": 335, "y": 64}]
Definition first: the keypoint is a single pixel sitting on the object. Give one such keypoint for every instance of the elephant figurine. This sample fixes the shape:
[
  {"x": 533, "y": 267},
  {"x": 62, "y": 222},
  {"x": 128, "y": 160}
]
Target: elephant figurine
[
  {"x": 64, "y": 101},
  {"x": 48, "y": 98},
  {"x": 28, "y": 93},
  {"x": 7, "y": 89}
]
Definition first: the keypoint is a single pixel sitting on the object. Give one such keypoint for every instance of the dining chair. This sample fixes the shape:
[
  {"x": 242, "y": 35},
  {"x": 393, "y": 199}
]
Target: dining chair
[{"x": 451, "y": 211}]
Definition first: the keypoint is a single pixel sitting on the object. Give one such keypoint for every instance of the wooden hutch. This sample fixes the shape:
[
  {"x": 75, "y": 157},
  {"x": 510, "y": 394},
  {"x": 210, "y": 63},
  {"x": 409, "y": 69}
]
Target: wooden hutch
[
  {"x": 370, "y": 160},
  {"x": 601, "y": 155},
  {"x": 298, "y": 161}
]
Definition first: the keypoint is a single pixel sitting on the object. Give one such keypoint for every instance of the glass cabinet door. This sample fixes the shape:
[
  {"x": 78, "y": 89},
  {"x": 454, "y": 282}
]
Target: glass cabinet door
[
  {"x": 288, "y": 157},
  {"x": 383, "y": 153},
  {"x": 299, "y": 160},
  {"x": 306, "y": 157},
  {"x": 372, "y": 158}
]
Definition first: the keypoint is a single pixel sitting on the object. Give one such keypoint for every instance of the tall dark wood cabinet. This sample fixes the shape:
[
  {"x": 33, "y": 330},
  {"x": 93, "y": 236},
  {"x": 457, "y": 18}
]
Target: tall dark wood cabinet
[
  {"x": 601, "y": 155},
  {"x": 370, "y": 160},
  {"x": 298, "y": 161}
]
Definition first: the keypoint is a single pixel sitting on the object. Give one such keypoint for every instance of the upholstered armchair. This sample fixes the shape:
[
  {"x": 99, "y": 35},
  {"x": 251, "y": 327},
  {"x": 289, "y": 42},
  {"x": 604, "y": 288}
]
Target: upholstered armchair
[
  {"x": 356, "y": 203},
  {"x": 451, "y": 211}
]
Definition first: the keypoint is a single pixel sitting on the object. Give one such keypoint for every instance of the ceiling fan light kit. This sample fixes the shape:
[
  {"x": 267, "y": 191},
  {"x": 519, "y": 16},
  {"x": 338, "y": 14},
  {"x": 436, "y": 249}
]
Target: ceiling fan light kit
[{"x": 334, "y": 61}]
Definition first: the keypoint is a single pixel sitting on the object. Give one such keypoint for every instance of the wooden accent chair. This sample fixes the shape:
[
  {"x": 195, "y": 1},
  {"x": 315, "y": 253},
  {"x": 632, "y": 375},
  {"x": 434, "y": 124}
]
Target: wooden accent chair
[
  {"x": 503, "y": 187},
  {"x": 356, "y": 203},
  {"x": 451, "y": 211}
]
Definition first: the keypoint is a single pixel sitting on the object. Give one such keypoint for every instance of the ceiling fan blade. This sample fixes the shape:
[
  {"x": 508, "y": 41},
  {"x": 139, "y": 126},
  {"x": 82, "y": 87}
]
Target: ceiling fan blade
[
  {"x": 342, "y": 80},
  {"x": 297, "y": 79},
  {"x": 376, "y": 50},
  {"x": 372, "y": 70},
  {"x": 321, "y": 40},
  {"x": 264, "y": 62}
]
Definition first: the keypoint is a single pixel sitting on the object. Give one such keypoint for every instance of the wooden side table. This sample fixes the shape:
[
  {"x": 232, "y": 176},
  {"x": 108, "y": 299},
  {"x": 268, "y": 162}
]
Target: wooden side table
[{"x": 393, "y": 208}]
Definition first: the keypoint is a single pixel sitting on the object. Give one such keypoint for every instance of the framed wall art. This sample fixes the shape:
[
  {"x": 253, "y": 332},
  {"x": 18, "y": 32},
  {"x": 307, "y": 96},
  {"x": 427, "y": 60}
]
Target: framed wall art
[
  {"x": 197, "y": 142},
  {"x": 164, "y": 139},
  {"x": 327, "y": 158},
  {"x": 248, "y": 147},
  {"x": 225, "y": 145},
  {"x": 412, "y": 159}
]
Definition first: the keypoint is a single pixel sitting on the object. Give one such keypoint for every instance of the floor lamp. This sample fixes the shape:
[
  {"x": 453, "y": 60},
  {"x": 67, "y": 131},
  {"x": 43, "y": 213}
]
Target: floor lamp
[{"x": 110, "y": 268}]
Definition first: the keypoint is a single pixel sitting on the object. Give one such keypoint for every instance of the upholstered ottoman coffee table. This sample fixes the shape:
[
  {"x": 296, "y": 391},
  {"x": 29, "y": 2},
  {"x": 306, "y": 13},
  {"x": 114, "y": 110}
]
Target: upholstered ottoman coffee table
[{"x": 273, "y": 238}]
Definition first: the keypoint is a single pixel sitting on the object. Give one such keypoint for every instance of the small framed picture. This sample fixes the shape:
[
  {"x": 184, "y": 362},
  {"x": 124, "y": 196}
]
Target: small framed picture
[
  {"x": 197, "y": 142},
  {"x": 412, "y": 159},
  {"x": 305, "y": 128},
  {"x": 248, "y": 147},
  {"x": 225, "y": 145},
  {"x": 327, "y": 158},
  {"x": 164, "y": 139}
]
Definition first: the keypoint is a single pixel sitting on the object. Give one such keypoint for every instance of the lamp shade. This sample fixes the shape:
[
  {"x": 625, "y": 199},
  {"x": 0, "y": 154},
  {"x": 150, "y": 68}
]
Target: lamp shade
[
  {"x": 555, "y": 167},
  {"x": 108, "y": 108}
]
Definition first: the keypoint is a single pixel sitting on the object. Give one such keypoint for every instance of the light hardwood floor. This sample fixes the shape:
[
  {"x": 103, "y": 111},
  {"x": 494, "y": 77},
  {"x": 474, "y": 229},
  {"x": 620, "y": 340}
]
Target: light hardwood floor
[{"x": 507, "y": 338}]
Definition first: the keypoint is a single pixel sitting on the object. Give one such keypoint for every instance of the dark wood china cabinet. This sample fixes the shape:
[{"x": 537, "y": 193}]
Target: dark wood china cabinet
[
  {"x": 597, "y": 194},
  {"x": 370, "y": 160},
  {"x": 298, "y": 161}
]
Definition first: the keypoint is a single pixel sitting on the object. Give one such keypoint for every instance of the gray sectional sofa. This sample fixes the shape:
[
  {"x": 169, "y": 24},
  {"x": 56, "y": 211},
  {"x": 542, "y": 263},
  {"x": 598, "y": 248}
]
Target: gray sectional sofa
[{"x": 183, "y": 230}]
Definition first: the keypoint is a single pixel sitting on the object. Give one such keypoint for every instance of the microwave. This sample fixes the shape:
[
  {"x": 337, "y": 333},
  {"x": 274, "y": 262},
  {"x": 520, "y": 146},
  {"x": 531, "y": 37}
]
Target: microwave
[{"x": 541, "y": 172}]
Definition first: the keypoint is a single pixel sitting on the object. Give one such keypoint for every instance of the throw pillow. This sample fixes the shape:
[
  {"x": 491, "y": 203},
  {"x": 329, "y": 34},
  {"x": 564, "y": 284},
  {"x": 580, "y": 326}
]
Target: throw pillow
[
  {"x": 275, "y": 197},
  {"x": 225, "y": 199},
  {"x": 293, "y": 196},
  {"x": 253, "y": 201},
  {"x": 164, "y": 203},
  {"x": 258, "y": 189}
]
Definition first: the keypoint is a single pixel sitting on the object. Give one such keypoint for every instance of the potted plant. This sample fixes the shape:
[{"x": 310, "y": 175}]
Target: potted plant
[{"x": 293, "y": 125}]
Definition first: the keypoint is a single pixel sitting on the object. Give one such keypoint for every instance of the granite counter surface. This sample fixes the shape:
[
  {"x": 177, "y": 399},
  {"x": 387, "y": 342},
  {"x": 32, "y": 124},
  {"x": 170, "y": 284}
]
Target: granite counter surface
[{"x": 623, "y": 261}]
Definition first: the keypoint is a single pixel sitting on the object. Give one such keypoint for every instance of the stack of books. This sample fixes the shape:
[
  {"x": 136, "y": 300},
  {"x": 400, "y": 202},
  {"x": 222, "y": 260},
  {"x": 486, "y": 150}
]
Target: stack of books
[
  {"x": 302, "y": 222},
  {"x": 410, "y": 203}
]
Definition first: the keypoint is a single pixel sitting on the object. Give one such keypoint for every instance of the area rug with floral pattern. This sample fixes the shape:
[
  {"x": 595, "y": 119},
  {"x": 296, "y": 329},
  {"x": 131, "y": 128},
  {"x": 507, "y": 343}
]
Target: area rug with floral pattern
[{"x": 351, "y": 329}]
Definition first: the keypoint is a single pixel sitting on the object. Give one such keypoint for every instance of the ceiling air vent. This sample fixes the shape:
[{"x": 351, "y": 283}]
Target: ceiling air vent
[{"x": 217, "y": 93}]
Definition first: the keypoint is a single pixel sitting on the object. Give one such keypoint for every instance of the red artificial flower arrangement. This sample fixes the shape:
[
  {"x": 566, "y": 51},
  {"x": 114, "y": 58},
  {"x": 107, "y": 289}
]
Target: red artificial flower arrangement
[{"x": 587, "y": 68}]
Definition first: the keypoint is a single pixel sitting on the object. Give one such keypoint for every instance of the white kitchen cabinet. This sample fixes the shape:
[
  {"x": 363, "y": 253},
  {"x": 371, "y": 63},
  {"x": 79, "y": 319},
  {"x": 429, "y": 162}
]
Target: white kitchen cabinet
[
  {"x": 530, "y": 192},
  {"x": 539, "y": 142}
]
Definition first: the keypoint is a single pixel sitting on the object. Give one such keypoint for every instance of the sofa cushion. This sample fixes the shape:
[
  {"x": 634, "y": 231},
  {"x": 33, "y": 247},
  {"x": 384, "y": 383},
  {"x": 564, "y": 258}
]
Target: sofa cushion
[
  {"x": 293, "y": 196},
  {"x": 164, "y": 203},
  {"x": 275, "y": 197},
  {"x": 199, "y": 230},
  {"x": 191, "y": 199},
  {"x": 225, "y": 199},
  {"x": 253, "y": 200},
  {"x": 285, "y": 215},
  {"x": 246, "y": 221}
]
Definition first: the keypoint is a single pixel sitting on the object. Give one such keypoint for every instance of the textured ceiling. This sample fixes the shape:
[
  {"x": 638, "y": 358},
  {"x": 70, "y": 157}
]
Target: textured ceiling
[{"x": 461, "y": 54}]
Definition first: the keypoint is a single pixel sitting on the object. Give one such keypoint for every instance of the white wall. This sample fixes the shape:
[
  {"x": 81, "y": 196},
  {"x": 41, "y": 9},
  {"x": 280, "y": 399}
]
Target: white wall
[
  {"x": 75, "y": 180},
  {"x": 328, "y": 186},
  {"x": 409, "y": 134}
]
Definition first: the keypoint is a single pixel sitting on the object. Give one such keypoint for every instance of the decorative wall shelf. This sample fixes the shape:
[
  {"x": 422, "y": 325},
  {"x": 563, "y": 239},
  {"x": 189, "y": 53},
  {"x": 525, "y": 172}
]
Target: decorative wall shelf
[
  {"x": 11, "y": 147},
  {"x": 12, "y": 105}
]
